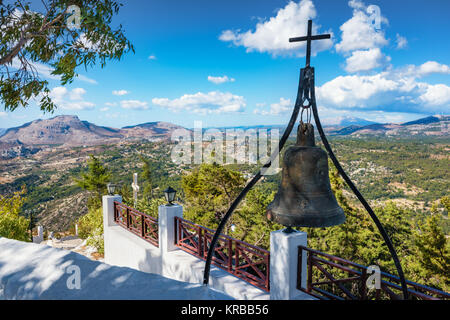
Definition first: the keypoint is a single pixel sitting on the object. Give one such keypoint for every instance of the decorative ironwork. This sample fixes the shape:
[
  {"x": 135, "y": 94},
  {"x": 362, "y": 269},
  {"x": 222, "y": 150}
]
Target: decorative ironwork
[
  {"x": 333, "y": 278},
  {"x": 139, "y": 223},
  {"x": 245, "y": 261},
  {"x": 306, "y": 99}
]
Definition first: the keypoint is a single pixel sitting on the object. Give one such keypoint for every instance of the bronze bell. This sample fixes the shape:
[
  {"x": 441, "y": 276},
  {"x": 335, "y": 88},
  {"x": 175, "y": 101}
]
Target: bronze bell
[{"x": 305, "y": 198}]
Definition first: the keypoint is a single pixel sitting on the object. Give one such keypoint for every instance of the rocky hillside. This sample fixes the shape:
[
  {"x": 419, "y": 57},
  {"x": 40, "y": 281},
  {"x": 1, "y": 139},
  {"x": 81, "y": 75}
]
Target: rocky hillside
[
  {"x": 150, "y": 130},
  {"x": 70, "y": 131},
  {"x": 429, "y": 126},
  {"x": 15, "y": 149}
]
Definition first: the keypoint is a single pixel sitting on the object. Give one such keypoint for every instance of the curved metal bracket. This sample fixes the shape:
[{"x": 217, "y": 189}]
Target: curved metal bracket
[{"x": 305, "y": 92}]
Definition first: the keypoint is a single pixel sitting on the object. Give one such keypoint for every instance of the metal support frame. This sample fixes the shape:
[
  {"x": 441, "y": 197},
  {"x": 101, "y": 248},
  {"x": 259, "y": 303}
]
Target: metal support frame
[{"x": 306, "y": 92}]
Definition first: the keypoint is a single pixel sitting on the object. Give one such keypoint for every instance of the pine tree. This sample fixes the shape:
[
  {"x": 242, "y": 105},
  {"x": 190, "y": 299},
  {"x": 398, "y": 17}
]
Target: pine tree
[
  {"x": 146, "y": 176},
  {"x": 431, "y": 263},
  {"x": 209, "y": 191},
  {"x": 95, "y": 181}
]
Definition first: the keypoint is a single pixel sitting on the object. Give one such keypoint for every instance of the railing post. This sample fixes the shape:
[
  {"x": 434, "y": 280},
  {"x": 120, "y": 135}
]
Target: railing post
[
  {"x": 363, "y": 288},
  {"x": 299, "y": 268},
  {"x": 310, "y": 271},
  {"x": 143, "y": 224},
  {"x": 230, "y": 255},
  {"x": 166, "y": 226},
  {"x": 128, "y": 218},
  {"x": 201, "y": 239},
  {"x": 176, "y": 231},
  {"x": 236, "y": 259},
  {"x": 283, "y": 265}
]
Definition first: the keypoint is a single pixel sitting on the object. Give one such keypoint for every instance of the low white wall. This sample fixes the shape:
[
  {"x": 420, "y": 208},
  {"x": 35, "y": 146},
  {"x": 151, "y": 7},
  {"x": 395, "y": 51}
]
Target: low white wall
[{"x": 122, "y": 248}]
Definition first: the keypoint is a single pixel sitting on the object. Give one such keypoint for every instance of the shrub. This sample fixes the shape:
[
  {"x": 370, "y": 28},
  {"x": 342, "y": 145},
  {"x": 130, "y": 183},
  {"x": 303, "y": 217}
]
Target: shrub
[
  {"x": 90, "y": 227},
  {"x": 12, "y": 225}
]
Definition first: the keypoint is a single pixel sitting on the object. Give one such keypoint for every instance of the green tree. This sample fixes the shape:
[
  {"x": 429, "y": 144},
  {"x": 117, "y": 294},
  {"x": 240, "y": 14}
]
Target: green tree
[
  {"x": 95, "y": 181},
  {"x": 252, "y": 225},
  {"x": 12, "y": 225},
  {"x": 358, "y": 239},
  {"x": 209, "y": 191},
  {"x": 431, "y": 262},
  {"x": 42, "y": 41},
  {"x": 146, "y": 175}
]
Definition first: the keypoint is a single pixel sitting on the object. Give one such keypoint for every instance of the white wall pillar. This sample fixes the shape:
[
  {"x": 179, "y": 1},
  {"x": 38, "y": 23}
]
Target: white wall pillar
[
  {"x": 40, "y": 237},
  {"x": 108, "y": 210},
  {"x": 166, "y": 221},
  {"x": 284, "y": 264}
]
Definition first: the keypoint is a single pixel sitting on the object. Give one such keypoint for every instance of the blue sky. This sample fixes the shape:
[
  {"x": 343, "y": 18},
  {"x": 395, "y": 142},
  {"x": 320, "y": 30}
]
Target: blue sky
[{"x": 229, "y": 63}]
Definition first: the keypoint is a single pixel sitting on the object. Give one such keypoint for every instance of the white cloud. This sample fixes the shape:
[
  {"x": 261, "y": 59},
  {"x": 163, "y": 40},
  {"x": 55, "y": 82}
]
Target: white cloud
[
  {"x": 401, "y": 42},
  {"x": 77, "y": 94},
  {"x": 204, "y": 103},
  {"x": 151, "y": 57},
  {"x": 134, "y": 104},
  {"x": 281, "y": 107},
  {"x": 111, "y": 104},
  {"x": 104, "y": 109},
  {"x": 423, "y": 70},
  {"x": 3, "y": 114},
  {"x": 219, "y": 80},
  {"x": 395, "y": 90},
  {"x": 273, "y": 35},
  {"x": 436, "y": 95},
  {"x": 70, "y": 100},
  {"x": 430, "y": 67},
  {"x": 359, "y": 32},
  {"x": 361, "y": 40},
  {"x": 365, "y": 60},
  {"x": 120, "y": 92}
]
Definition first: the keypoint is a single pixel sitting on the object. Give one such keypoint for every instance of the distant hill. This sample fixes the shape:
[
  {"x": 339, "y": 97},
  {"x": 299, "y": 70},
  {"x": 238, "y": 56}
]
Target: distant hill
[
  {"x": 428, "y": 126},
  {"x": 151, "y": 130},
  {"x": 2, "y": 131},
  {"x": 349, "y": 121},
  {"x": 71, "y": 131}
]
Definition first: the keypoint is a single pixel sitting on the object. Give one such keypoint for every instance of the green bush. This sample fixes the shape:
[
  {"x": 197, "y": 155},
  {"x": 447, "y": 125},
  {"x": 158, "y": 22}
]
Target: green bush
[
  {"x": 12, "y": 225},
  {"x": 90, "y": 227}
]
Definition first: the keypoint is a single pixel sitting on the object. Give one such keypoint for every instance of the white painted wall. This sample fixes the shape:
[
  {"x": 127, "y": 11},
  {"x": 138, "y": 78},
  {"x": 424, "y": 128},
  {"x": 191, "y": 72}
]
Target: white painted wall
[{"x": 122, "y": 248}]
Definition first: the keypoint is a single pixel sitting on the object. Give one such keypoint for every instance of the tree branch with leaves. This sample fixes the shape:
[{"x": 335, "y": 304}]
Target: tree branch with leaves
[{"x": 31, "y": 40}]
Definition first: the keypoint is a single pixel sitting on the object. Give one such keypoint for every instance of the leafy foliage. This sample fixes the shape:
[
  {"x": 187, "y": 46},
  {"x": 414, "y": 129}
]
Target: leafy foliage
[
  {"x": 33, "y": 43},
  {"x": 90, "y": 227},
  {"x": 12, "y": 225},
  {"x": 95, "y": 181},
  {"x": 209, "y": 190}
]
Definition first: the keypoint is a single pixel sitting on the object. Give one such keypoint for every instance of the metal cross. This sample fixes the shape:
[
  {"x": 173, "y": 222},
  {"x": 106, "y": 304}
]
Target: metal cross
[
  {"x": 135, "y": 187},
  {"x": 308, "y": 39}
]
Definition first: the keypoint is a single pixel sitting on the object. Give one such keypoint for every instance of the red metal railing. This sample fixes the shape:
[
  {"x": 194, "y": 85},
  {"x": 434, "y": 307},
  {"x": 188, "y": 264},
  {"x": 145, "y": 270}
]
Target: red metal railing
[
  {"x": 139, "y": 223},
  {"x": 239, "y": 258},
  {"x": 323, "y": 271}
]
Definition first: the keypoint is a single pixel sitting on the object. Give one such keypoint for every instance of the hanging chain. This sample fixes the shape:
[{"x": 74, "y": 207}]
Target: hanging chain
[{"x": 306, "y": 96}]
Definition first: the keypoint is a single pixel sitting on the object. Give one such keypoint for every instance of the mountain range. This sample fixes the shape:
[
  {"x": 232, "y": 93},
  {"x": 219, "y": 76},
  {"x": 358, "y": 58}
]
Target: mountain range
[
  {"x": 70, "y": 131},
  {"x": 438, "y": 125}
]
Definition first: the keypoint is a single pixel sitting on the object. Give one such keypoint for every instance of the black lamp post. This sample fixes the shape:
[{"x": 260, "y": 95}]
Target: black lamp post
[
  {"x": 111, "y": 188},
  {"x": 170, "y": 193}
]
